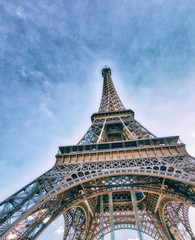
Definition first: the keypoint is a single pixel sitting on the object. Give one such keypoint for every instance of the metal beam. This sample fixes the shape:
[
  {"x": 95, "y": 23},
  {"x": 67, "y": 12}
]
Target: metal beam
[
  {"x": 134, "y": 202},
  {"x": 102, "y": 217},
  {"x": 86, "y": 201},
  {"x": 100, "y": 136},
  {"x": 111, "y": 216}
]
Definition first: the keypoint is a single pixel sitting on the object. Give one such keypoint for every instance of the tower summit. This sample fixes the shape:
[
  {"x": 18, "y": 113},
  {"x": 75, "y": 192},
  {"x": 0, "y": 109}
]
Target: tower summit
[
  {"x": 110, "y": 99},
  {"x": 119, "y": 176}
]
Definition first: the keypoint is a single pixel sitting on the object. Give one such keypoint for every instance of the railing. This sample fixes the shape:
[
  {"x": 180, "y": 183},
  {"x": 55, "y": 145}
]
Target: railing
[{"x": 150, "y": 142}]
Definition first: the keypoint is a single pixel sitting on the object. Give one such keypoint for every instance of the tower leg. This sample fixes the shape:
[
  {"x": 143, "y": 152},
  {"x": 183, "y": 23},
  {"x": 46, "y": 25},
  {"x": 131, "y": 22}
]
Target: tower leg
[
  {"x": 76, "y": 223},
  {"x": 177, "y": 222}
]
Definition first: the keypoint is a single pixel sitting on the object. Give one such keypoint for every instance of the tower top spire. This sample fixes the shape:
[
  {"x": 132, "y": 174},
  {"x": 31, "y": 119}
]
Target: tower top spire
[
  {"x": 105, "y": 71},
  {"x": 110, "y": 100}
]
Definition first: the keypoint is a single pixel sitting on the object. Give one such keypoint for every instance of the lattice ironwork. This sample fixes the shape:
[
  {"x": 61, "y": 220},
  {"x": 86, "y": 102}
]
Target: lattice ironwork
[
  {"x": 117, "y": 155},
  {"x": 74, "y": 196},
  {"x": 76, "y": 222},
  {"x": 115, "y": 129},
  {"x": 110, "y": 99},
  {"x": 124, "y": 218},
  {"x": 174, "y": 220}
]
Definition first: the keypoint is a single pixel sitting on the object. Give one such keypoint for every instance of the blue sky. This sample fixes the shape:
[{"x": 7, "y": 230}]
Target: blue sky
[{"x": 51, "y": 56}]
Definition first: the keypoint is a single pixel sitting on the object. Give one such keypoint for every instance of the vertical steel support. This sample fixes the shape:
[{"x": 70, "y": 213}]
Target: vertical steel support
[
  {"x": 101, "y": 217},
  {"x": 111, "y": 216},
  {"x": 100, "y": 136},
  {"x": 134, "y": 202},
  {"x": 127, "y": 129}
]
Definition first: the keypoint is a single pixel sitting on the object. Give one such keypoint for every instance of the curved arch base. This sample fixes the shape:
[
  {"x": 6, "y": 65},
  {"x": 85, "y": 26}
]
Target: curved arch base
[
  {"x": 76, "y": 222},
  {"x": 153, "y": 195}
]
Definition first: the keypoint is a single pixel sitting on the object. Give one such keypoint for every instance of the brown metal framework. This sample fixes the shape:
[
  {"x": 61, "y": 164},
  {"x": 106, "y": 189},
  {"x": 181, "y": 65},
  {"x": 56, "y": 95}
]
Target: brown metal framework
[
  {"x": 117, "y": 155},
  {"x": 110, "y": 100}
]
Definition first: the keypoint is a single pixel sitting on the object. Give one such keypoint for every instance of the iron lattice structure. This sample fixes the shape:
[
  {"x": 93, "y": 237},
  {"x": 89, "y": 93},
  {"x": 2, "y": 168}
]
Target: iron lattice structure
[{"x": 93, "y": 183}]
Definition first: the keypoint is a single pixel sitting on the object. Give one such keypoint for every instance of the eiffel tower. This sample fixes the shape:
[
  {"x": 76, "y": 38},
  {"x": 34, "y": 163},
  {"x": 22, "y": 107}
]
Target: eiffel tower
[{"x": 119, "y": 176}]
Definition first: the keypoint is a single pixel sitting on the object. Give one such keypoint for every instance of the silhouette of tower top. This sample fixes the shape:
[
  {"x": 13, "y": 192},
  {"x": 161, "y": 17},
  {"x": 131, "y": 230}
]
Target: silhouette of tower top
[{"x": 110, "y": 100}]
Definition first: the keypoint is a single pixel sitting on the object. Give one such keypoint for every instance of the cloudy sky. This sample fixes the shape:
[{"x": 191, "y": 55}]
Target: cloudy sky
[{"x": 51, "y": 56}]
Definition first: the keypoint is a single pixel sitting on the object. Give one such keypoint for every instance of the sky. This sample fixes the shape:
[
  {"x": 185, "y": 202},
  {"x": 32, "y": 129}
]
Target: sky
[{"x": 51, "y": 57}]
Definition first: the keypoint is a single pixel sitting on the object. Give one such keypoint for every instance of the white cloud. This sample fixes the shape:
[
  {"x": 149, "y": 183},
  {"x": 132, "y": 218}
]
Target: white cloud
[
  {"x": 60, "y": 230},
  {"x": 133, "y": 239},
  {"x": 20, "y": 13},
  {"x": 192, "y": 218}
]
